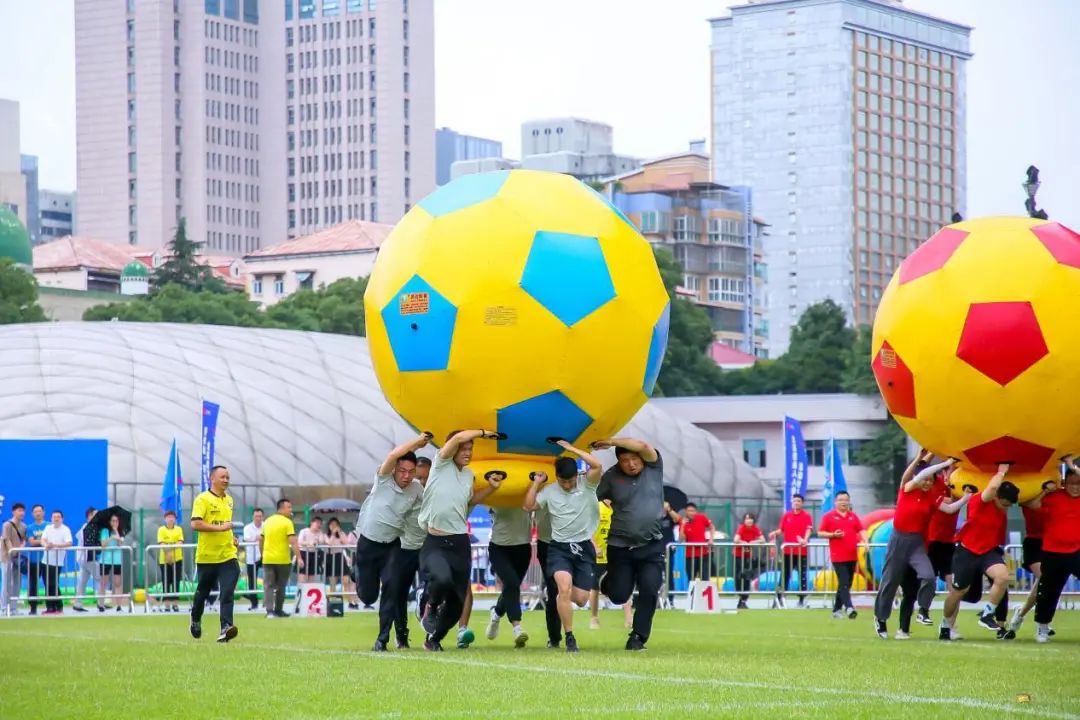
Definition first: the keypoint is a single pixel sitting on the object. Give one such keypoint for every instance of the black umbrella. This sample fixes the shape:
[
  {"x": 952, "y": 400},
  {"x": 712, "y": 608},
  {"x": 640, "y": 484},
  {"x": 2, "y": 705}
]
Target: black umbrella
[
  {"x": 675, "y": 497},
  {"x": 100, "y": 521},
  {"x": 336, "y": 505}
]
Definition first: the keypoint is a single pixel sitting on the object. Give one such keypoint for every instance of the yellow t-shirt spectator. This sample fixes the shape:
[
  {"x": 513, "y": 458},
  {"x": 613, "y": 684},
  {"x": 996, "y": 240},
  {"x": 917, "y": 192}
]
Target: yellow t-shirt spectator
[
  {"x": 175, "y": 536},
  {"x": 214, "y": 547},
  {"x": 276, "y": 531},
  {"x": 600, "y": 537}
]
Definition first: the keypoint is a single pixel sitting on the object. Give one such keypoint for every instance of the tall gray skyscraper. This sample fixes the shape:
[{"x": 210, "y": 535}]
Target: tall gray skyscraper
[{"x": 847, "y": 118}]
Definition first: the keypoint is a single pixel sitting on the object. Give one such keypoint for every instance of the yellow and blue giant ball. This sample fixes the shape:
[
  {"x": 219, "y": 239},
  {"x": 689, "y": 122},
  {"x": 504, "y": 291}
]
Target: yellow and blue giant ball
[
  {"x": 519, "y": 301},
  {"x": 975, "y": 345}
]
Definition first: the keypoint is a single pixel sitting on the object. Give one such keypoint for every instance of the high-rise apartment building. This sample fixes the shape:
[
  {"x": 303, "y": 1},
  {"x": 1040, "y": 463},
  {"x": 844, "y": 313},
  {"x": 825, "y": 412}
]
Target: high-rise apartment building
[
  {"x": 255, "y": 121},
  {"x": 847, "y": 117},
  {"x": 29, "y": 166},
  {"x": 56, "y": 215},
  {"x": 451, "y": 147},
  {"x": 12, "y": 180}
]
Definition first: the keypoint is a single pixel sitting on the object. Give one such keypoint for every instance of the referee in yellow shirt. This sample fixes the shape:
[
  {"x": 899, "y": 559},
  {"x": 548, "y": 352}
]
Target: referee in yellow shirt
[{"x": 215, "y": 554}]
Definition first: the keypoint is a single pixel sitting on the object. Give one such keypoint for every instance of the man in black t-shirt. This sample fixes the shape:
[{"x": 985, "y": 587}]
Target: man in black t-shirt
[{"x": 635, "y": 486}]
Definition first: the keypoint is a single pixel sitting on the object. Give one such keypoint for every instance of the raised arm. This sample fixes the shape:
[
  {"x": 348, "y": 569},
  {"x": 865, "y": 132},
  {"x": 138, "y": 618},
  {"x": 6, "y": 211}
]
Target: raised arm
[
  {"x": 910, "y": 485},
  {"x": 909, "y": 472},
  {"x": 538, "y": 480},
  {"x": 955, "y": 506},
  {"x": 413, "y": 445},
  {"x": 990, "y": 491},
  {"x": 1036, "y": 502},
  {"x": 595, "y": 468},
  {"x": 493, "y": 484},
  {"x": 450, "y": 448},
  {"x": 645, "y": 450}
]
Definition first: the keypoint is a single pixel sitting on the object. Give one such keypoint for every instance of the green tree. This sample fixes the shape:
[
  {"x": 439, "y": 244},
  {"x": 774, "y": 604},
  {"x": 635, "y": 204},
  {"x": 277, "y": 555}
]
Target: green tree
[
  {"x": 334, "y": 308},
  {"x": 183, "y": 268},
  {"x": 820, "y": 344},
  {"x": 857, "y": 377},
  {"x": 687, "y": 369},
  {"x": 18, "y": 295},
  {"x": 177, "y": 304}
]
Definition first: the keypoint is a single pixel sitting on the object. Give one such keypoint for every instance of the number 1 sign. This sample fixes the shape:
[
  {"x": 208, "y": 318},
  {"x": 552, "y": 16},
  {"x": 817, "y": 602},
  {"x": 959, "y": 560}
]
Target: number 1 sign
[
  {"x": 703, "y": 598},
  {"x": 311, "y": 599}
]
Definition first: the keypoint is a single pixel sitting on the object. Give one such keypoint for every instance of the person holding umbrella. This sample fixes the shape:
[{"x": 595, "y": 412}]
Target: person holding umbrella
[
  {"x": 215, "y": 553},
  {"x": 112, "y": 563}
]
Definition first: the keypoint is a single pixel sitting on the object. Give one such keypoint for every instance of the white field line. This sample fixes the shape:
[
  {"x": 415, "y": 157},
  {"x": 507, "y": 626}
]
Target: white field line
[{"x": 846, "y": 694}]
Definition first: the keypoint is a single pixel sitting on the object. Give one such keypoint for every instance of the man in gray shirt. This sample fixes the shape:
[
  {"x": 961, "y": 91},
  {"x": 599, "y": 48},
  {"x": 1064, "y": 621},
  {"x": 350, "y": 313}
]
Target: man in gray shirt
[
  {"x": 635, "y": 486},
  {"x": 575, "y": 514},
  {"x": 510, "y": 552}
]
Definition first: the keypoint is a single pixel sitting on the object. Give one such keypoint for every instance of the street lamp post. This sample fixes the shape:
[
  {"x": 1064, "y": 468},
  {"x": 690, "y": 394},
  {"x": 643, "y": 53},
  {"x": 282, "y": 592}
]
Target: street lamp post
[{"x": 1031, "y": 186}]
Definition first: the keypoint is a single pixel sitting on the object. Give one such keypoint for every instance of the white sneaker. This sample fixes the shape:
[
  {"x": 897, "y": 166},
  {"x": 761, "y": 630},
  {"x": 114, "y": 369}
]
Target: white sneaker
[
  {"x": 901, "y": 635},
  {"x": 493, "y": 626},
  {"x": 954, "y": 634},
  {"x": 837, "y": 615},
  {"x": 1042, "y": 633},
  {"x": 1016, "y": 620}
]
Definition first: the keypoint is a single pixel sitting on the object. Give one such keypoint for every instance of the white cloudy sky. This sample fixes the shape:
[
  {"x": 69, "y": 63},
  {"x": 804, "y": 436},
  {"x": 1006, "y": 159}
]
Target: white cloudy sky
[{"x": 641, "y": 66}]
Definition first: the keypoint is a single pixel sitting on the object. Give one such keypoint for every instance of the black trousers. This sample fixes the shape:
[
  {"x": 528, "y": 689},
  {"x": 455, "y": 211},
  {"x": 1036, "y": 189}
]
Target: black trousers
[
  {"x": 447, "y": 560},
  {"x": 641, "y": 567},
  {"x": 393, "y": 607},
  {"x": 252, "y": 582},
  {"x": 170, "y": 580},
  {"x": 845, "y": 574},
  {"x": 372, "y": 560},
  {"x": 35, "y": 574},
  {"x": 791, "y": 564},
  {"x": 510, "y": 563},
  {"x": 746, "y": 570},
  {"x": 52, "y": 586},
  {"x": 551, "y": 593},
  {"x": 224, "y": 576},
  {"x": 1056, "y": 569}
]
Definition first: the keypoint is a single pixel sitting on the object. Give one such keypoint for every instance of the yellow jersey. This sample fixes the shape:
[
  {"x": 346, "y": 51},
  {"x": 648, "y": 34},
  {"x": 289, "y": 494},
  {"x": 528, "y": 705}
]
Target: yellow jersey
[
  {"x": 165, "y": 536},
  {"x": 276, "y": 531},
  {"x": 600, "y": 536},
  {"x": 214, "y": 547}
]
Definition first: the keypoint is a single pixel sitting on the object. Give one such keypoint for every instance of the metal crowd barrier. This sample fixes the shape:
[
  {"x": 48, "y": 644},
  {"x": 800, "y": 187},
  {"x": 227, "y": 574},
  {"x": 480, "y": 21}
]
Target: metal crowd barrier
[
  {"x": 485, "y": 584},
  {"x": 58, "y": 570}
]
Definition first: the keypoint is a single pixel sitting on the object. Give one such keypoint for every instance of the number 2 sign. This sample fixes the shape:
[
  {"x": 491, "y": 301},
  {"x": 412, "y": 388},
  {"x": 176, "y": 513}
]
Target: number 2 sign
[
  {"x": 312, "y": 600},
  {"x": 703, "y": 598}
]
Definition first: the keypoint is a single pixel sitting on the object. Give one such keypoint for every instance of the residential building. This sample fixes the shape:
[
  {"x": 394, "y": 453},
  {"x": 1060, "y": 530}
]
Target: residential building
[
  {"x": 254, "y": 121},
  {"x": 712, "y": 232},
  {"x": 847, "y": 118},
  {"x": 482, "y": 165},
  {"x": 573, "y": 146},
  {"x": 752, "y": 426},
  {"x": 56, "y": 214},
  {"x": 12, "y": 181},
  {"x": 451, "y": 147},
  {"x": 346, "y": 250},
  {"x": 29, "y": 167}
]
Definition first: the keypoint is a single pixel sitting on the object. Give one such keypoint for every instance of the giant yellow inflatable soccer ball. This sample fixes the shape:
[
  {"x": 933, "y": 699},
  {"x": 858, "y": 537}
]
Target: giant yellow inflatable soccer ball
[
  {"x": 976, "y": 348},
  {"x": 519, "y": 301}
]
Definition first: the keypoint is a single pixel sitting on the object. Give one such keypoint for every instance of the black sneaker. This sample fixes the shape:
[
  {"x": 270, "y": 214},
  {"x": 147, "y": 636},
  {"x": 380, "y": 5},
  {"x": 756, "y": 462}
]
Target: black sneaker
[
  {"x": 196, "y": 629},
  {"x": 852, "y": 613},
  {"x": 988, "y": 621},
  {"x": 78, "y": 608},
  {"x": 379, "y": 646},
  {"x": 1051, "y": 633},
  {"x": 944, "y": 633},
  {"x": 1003, "y": 634},
  {"x": 427, "y": 620},
  {"x": 634, "y": 643},
  {"x": 403, "y": 640},
  {"x": 432, "y": 645},
  {"x": 227, "y": 634},
  {"x": 881, "y": 630},
  {"x": 553, "y": 644},
  {"x": 741, "y": 605},
  {"x": 571, "y": 643},
  {"x": 101, "y": 608},
  {"x": 282, "y": 614},
  {"x": 923, "y": 618},
  {"x": 354, "y": 606}
]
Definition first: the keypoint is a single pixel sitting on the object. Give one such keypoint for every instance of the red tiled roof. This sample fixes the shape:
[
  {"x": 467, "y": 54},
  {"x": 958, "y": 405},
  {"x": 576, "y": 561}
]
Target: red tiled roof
[
  {"x": 75, "y": 251},
  {"x": 722, "y": 354},
  {"x": 349, "y": 236}
]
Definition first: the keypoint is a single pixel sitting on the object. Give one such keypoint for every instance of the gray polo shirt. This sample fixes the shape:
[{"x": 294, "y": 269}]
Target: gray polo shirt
[
  {"x": 575, "y": 515},
  {"x": 446, "y": 498},
  {"x": 543, "y": 525},
  {"x": 382, "y": 516},
  {"x": 412, "y": 535},
  {"x": 637, "y": 504},
  {"x": 510, "y": 526}
]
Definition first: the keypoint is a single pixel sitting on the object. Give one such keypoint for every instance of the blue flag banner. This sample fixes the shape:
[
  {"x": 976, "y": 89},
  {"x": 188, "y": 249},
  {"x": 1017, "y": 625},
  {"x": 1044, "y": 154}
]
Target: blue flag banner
[
  {"x": 172, "y": 485},
  {"x": 209, "y": 430},
  {"x": 794, "y": 461},
  {"x": 834, "y": 476}
]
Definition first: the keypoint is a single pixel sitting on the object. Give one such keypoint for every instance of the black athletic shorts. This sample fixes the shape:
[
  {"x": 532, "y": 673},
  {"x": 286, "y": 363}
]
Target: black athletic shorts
[
  {"x": 578, "y": 559},
  {"x": 968, "y": 568},
  {"x": 1032, "y": 552},
  {"x": 109, "y": 570},
  {"x": 941, "y": 557}
]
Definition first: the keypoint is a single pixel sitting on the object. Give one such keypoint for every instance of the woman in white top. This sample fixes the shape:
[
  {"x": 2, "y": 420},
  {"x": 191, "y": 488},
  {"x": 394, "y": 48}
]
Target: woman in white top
[
  {"x": 309, "y": 540},
  {"x": 57, "y": 535},
  {"x": 337, "y": 541}
]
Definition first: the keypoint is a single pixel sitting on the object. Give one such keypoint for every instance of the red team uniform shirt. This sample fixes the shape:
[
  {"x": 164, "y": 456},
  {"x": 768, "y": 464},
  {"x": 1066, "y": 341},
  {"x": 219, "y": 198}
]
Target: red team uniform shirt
[
  {"x": 913, "y": 509},
  {"x": 747, "y": 535},
  {"x": 693, "y": 531},
  {"x": 942, "y": 528},
  {"x": 794, "y": 526},
  {"x": 984, "y": 528},
  {"x": 845, "y": 549},
  {"x": 1061, "y": 534},
  {"x": 1034, "y": 521}
]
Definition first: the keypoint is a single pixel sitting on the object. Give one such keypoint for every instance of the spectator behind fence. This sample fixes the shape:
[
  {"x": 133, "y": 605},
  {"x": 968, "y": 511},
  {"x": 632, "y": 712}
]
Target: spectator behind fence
[
  {"x": 337, "y": 539},
  {"x": 276, "y": 538},
  {"x": 171, "y": 561},
  {"x": 747, "y": 559},
  {"x": 112, "y": 562},
  {"x": 309, "y": 540},
  {"x": 89, "y": 567},
  {"x": 796, "y": 526},
  {"x": 845, "y": 533},
  {"x": 12, "y": 535},
  {"x": 253, "y": 556},
  {"x": 56, "y": 538},
  {"x": 696, "y": 527},
  {"x": 35, "y": 573}
]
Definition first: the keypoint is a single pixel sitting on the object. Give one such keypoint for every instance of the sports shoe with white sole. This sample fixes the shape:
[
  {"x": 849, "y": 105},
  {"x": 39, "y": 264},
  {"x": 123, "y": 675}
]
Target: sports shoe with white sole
[
  {"x": 1016, "y": 620},
  {"x": 492, "y": 631},
  {"x": 227, "y": 634},
  {"x": 520, "y": 637},
  {"x": 1042, "y": 633},
  {"x": 465, "y": 638},
  {"x": 901, "y": 635}
]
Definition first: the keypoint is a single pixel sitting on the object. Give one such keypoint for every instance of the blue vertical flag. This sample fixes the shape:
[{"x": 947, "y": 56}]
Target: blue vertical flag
[
  {"x": 209, "y": 430},
  {"x": 834, "y": 476},
  {"x": 172, "y": 485},
  {"x": 794, "y": 461}
]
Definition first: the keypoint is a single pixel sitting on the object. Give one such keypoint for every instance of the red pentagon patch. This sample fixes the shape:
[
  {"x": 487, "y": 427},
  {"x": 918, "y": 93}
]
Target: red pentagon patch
[
  {"x": 895, "y": 381},
  {"x": 1025, "y": 456},
  {"x": 1063, "y": 243},
  {"x": 1001, "y": 340},
  {"x": 932, "y": 254}
]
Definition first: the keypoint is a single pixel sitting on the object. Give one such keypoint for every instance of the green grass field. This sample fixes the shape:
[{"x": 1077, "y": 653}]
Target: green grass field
[{"x": 758, "y": 664}]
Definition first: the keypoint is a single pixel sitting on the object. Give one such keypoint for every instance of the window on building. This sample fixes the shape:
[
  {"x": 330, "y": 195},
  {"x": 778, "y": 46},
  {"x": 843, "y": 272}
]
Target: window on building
[
  {"x": 307, "y": 9},
  {"x": 279, "y": 285},
  {"x": 131, "y": 31},
  {"x": 305, "y": 280},
  {"x": 131, "y": 162},
  {"x": 331, "y": 8},
  {"x": 753, "y": 451}
]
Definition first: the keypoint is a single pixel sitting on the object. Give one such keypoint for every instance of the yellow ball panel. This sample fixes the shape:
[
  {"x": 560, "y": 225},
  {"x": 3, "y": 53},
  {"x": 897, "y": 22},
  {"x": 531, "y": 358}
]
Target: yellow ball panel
[
  {"x": 517, "y": 468},
  {"x": 397, "y": 259}
]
